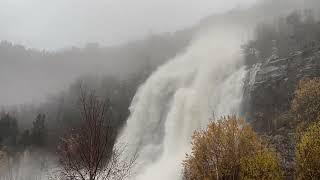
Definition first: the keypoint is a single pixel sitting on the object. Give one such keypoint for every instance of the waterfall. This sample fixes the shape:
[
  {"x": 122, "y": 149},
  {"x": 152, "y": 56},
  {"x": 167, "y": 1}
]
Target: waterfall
[
  {"x": 180, "y": 97},
  {"x": 252, "y": 74}
]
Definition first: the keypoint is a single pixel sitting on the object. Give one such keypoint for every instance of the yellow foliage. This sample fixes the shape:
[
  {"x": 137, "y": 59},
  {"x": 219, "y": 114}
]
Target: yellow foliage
[
  {"x": 218, "y": 151},
  {"x": 306, "y": 103},
  {"x": 263, "y": 165},
  {"x": 308, "y": 153}
]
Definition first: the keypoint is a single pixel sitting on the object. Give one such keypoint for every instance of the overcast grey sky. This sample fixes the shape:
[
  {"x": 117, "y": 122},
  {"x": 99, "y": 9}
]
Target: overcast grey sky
[{"x": 55, "y": 24}]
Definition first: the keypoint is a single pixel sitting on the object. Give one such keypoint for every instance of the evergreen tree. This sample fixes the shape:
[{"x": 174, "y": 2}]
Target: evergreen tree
[
  {"x": 39, "y": 131},
  {"x": 25, "y": 139},
  {"x": 8, "y": 129}
]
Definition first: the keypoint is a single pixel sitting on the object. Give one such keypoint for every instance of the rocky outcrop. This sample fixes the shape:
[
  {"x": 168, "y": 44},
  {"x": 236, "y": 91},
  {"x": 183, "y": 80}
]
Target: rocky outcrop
[
  {"x": 270, "y": 86},
  {"x": 269, "y": 90}
]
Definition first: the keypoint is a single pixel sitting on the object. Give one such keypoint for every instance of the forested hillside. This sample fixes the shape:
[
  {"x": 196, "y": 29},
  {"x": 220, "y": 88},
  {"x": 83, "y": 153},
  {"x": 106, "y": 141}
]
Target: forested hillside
[
  {"x": 48, "y": 72},
  {"x": 253, "y": 108}
]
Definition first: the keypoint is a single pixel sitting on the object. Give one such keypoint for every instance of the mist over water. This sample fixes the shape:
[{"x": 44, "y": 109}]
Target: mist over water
[
  {"x": 197, "y": 72},
  {"x": 182, "y": 96}
]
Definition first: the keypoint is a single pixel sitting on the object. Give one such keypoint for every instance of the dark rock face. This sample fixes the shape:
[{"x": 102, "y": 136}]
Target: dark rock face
[
  {"x": 269, "y": 90},
  {"x": 270, "y": 86}
]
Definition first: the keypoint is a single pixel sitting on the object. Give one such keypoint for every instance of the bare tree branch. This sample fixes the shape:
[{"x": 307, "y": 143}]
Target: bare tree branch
[{"x": 89, "y": 153}]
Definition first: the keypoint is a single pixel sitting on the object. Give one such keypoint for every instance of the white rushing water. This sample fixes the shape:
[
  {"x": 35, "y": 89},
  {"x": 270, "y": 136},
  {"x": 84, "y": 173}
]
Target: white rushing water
[{"x": 182, "y": 96}]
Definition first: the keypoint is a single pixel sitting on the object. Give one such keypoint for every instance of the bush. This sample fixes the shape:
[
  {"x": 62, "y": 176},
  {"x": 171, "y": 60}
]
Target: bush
[
  {"x": 218, "y": 151},
  {"x": 306, "y": 102},
  {"x": 308, "y": 153},
  {"x": 263, "y": 165}
]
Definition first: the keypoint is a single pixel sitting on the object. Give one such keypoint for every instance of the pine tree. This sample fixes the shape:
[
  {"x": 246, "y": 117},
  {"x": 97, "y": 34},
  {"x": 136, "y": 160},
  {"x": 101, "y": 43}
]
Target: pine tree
[{"x": 39, "y": 131}]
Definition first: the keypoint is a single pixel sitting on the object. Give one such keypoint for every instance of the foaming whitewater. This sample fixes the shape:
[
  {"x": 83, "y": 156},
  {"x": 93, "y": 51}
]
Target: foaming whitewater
[{"x": 180, "y": 97}]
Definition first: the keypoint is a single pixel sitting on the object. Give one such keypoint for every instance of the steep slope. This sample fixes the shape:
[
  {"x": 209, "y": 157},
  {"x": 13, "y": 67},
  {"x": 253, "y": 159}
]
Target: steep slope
[
  {"x": 271, "y": 88},
  {"x": 269, "y": 91}
]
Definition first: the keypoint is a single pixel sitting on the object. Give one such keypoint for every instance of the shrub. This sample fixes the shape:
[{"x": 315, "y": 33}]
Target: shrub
[
  {"x": 306, "y": 102},
  {"x": 308, "y": 153},
  {"x": 263, "y": 165},
  {"x": 218, "y": 151}
]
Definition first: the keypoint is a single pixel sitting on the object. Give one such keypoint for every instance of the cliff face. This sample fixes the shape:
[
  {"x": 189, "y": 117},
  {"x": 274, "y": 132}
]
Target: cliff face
[
  {"x": 270, "y": 86},
  {"x": 269, "y": 90}
]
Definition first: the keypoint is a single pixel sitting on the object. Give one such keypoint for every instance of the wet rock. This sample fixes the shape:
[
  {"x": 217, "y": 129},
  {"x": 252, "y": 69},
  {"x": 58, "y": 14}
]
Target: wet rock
[
  {"x": 269, "y": 90},
  {"x": 270, "y": 86}
]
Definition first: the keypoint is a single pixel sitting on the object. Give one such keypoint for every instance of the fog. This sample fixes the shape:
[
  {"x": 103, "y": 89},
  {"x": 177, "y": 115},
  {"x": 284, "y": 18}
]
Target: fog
[
  {"x": 119, "y": 47},
  {"x": 156, "y": 30},
  {"x": 60, "y": 23}
]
